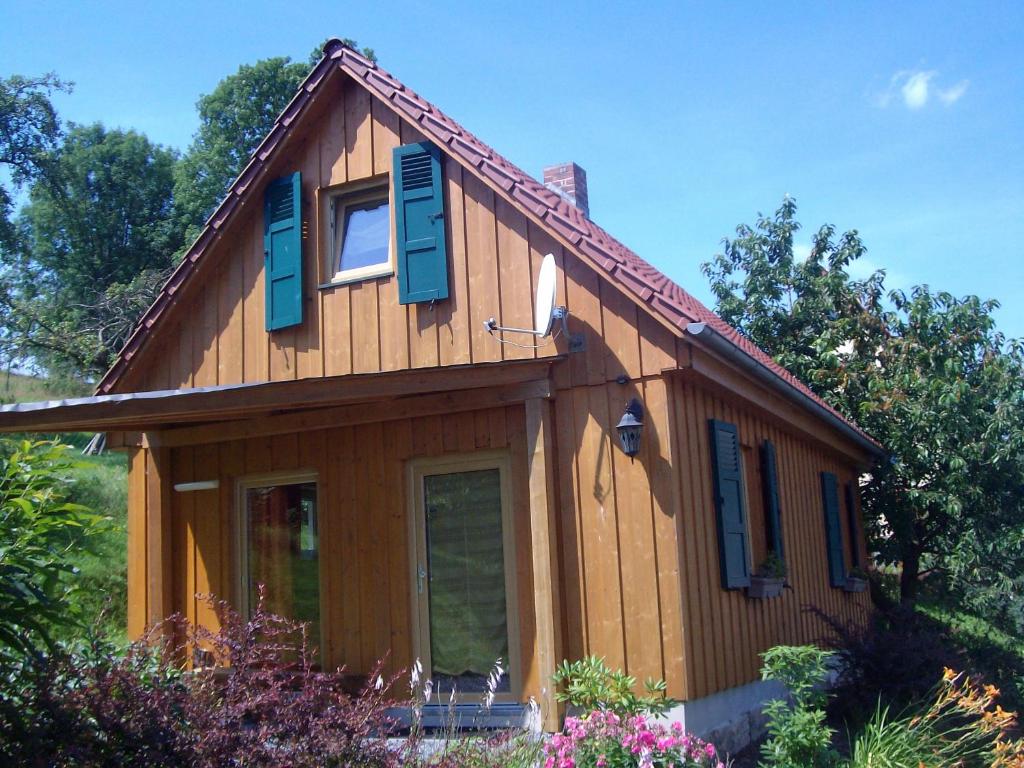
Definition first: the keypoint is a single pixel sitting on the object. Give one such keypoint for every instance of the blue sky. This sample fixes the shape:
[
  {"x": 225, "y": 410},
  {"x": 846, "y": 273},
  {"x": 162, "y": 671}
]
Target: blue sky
[{"x": 902, "y": 120}]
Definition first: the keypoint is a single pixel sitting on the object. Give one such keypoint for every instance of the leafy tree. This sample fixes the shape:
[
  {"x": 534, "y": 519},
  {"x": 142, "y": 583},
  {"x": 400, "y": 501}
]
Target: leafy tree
[
  {"x": 97, "y": 237},
  {"x": 233, "y": 120},
  {"x": 29, "y": 132},
  {"x": 926, "y": 373},
  {"x": 38, "y": 531}
]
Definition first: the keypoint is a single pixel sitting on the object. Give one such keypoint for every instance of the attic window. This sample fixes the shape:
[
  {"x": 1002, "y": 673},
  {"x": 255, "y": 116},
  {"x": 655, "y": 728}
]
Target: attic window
[{"x": 360, "y": 221}]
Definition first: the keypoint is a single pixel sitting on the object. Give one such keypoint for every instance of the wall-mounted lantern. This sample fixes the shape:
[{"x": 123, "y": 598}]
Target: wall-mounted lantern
[{"x": 629, "y": 428}]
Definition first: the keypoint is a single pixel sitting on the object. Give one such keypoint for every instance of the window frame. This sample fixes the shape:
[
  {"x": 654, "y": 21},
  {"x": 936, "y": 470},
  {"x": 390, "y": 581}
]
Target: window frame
[
  {"x": 416, "y": 471},
  {"x": 334, "y": 202},
  {"x": 264, "y": 480}
]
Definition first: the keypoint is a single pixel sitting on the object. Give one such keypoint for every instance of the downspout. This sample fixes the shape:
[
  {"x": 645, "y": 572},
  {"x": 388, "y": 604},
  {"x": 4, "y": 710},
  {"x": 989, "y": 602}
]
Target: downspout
[{"x": 722, "y": 346}]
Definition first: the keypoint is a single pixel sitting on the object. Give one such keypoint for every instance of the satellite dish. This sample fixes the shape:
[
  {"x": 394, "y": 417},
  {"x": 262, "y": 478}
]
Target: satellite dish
[
  {"x": 544, "y": 312},
  {"x": 544, "y": 307}
]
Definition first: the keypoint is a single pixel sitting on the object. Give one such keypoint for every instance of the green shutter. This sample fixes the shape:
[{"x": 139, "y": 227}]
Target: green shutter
[
  {"x": 851, "y": 520},
  {"x": 770, "y": 479},
  {"x": 833, "y": 531},
  {"x": 282, "y": 251},
  {"x": 419, "y": 224},
  {"x": 730, "y": 505}
]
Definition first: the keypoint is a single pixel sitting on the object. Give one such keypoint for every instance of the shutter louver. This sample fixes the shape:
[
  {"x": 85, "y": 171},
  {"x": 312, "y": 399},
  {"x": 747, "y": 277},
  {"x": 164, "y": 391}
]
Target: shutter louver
[
  {"x": 282, "y": 251},
  {"x": 773, "y": 517},
  {"x": 730, "y": 505},
  {"x": 833, "y": 531},
  {"x": 419, "y": 224}
]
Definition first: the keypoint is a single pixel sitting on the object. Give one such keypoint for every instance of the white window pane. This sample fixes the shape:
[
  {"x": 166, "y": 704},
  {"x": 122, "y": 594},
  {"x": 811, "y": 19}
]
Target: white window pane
[{"x": 366, "y": 230}]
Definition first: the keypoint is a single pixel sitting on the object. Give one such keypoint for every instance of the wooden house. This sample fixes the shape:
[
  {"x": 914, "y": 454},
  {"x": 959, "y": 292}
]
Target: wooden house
[{"x": 316, "y": 402}]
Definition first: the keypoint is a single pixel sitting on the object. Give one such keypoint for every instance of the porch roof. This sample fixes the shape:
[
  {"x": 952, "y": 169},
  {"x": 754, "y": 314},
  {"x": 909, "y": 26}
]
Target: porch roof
[{"x": 145, "y": 411}]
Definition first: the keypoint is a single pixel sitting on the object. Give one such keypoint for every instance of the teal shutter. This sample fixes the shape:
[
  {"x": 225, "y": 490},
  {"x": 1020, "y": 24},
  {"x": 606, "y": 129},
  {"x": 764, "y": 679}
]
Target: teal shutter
[
  {"x": 851, "y": 521},
  {"x": 770, "y": 478},
  {"x": 282, "y": 252},
  {"x": 730, "y": 505},
  {"x": 833, "y": 531},
  {"x": 419, "y": 224}
]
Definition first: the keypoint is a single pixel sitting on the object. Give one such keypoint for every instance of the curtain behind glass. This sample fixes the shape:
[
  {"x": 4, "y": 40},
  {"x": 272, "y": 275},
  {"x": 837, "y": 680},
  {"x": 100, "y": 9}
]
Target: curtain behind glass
[{"x": 467, "y": 601}]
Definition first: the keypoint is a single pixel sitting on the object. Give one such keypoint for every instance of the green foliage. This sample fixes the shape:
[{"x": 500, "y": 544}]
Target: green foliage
[
  {"x": 29, "y": 133},
  {"x": 798, "y": 736},
  {"x": 961, "y": 727},
  {"x": 591, "y": 685},
  {"x": 101, "y": 484},
  {"x": 39, "y": 529},
  {"x": 772, "y": 567},
  {"x": 995, "y": 655},
  {"x": 926, "y": 373},
  {"x": 233, "y": 119},
  {"x": 97, "y": 242},
  {"x": 504, "y": 749}
]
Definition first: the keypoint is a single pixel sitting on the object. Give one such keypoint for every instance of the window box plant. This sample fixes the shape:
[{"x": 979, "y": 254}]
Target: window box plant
[
  {"x": 769, "y": 579},
  {"x": 856, "y": 581}
]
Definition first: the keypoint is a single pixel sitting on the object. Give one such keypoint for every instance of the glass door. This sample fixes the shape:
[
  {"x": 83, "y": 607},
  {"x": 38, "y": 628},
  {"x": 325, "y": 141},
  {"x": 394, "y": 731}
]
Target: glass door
[{"x": 463, "y": 575}]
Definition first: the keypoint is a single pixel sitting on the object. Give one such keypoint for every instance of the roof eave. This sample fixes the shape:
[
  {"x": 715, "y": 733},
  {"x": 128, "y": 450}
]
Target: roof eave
[{"x": 757, "y": 370}]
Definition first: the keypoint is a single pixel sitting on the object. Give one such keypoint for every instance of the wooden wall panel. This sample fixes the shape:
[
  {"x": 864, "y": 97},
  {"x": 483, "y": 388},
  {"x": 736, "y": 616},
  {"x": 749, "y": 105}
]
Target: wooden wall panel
[
  {"x": 726, "y": 631},
  {"x": 215, "y": 331},
  {"x": 363, "y": 519}
]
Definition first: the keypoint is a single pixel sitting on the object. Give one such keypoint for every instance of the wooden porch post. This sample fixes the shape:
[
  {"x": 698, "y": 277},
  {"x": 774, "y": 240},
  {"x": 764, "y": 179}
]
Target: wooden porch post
[
  {"x": 159, "y": 589},
  {"x": 544, "y": 548}
]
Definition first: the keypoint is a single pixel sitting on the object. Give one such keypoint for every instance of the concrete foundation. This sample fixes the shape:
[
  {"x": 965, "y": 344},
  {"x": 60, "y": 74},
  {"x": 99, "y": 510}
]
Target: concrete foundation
[{"x": 729, "y": 719}]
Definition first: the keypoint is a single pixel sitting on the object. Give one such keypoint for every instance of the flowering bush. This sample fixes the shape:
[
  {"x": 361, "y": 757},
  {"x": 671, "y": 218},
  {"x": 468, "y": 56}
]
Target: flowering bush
[
  {"x": 264, "y": 705},
  {"x": 603, "y": 739},
  {"x": 964, "y": 726}
]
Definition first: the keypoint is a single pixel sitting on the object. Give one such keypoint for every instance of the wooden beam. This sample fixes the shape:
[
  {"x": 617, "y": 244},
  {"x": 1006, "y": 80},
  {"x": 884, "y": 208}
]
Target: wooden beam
[
  {"x": 362, "y": 413},
  {"x": 159, "y": 542},
  {"x": 137, "y": 581},
  {"x": 544, "y": 549},
  {"x": 102, "y": 413}
]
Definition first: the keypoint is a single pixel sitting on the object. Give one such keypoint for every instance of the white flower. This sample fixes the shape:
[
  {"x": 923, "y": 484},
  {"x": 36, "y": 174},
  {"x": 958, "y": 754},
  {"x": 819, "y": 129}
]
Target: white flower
[
  {"x": 378, "y": 683},
  {"x": 414, "y": 677},
  {"x": 428, "y": 690}
]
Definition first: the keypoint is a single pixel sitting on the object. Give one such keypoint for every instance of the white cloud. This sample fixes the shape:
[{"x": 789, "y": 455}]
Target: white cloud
[
  {"x": 801, "y": 251},
  {"x": 952, "y": 94},
  {"x": 916, "y": 87}
]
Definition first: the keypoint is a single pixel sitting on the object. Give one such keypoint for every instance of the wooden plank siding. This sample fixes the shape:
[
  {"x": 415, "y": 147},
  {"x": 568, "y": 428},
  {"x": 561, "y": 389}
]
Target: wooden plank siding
[
  {"x": 637, "y": 561},
  {"x": 364, "y": 526},
  {"x": 726, "y": 631},
  {"x": 216, "y": 331}
]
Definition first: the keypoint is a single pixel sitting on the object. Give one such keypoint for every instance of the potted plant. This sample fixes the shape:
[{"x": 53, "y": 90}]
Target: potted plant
[
  {"x": 856, "y": 580},
  {"x": 769, "y": 579}
]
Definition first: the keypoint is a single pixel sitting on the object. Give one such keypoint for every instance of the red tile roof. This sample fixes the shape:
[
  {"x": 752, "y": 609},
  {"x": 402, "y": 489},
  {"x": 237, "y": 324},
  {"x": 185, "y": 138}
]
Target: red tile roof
[{"x": 648, "y": 285}]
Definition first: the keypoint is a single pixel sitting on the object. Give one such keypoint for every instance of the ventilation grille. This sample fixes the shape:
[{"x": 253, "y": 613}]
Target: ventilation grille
[
  {"x": 279, "y": 202},
  {"x": 416, "y": 171}
]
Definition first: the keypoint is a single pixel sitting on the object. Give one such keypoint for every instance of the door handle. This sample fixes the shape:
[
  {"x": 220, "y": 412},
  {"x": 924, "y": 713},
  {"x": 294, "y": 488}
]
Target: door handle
[
  {"x": 421, "y": 575},
  {"x": 432, "y": 217}
]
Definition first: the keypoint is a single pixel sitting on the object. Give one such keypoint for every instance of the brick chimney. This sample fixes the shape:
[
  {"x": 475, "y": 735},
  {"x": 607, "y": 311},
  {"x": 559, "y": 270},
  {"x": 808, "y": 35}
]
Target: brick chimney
[{"x": 570, "y": 181}]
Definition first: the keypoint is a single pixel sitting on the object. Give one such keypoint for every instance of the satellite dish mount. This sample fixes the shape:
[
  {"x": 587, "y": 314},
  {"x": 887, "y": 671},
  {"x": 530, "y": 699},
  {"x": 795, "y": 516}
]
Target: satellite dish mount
[{"x": 545, "y": 311}]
